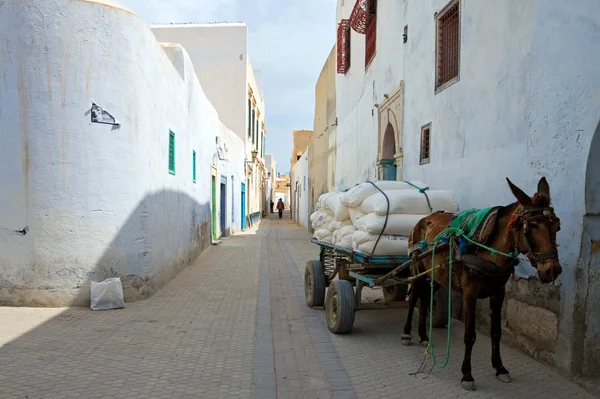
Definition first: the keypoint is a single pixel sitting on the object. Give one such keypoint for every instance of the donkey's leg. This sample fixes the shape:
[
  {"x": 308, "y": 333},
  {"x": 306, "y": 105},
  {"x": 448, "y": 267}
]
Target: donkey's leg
[
  {"x": 412, "y": 302},
  {"x": 469, "y": 302},
  {"x": 496, "y": 301},
  {"x": 425, "y": 300}
]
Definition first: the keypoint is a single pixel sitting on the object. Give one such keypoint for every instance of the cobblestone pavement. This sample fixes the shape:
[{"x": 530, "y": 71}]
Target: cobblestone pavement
[{"x": 235, "y": 325}]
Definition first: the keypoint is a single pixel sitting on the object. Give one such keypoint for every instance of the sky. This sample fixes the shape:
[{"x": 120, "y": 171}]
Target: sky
[{"x": 289, "y": 41}]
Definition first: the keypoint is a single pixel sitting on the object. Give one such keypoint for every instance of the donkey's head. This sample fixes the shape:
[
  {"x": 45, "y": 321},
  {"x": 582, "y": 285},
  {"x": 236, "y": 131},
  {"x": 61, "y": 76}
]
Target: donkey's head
[{"x": 534, "y": 227}]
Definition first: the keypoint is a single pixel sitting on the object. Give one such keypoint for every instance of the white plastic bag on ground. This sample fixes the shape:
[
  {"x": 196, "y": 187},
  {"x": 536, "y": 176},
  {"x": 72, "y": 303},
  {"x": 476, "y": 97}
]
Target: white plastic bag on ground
[
  {"x": 397, "y": 224},
  {"x": 410, "y": 201},
  {"x": 388, "y": 244},
  {"x": 335, "y": 206},
  {"x": 343, "y": 237},
  {"x": 107, "y": 294},
  {"x": 357, "y": 194},
  {"x": 355, "y": 214}
]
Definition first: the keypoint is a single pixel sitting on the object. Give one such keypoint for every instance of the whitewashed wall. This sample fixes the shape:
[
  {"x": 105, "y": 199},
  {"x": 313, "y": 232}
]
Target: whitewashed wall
[
  {"x": 232, "y": 168},
  {"x": 526, "y": 106},
  {"x": 98, "y": 201},
  {"x": 359, "y": 90},
  {"x": 219, "y": 54},
  {"x": 300, "y": 180}
]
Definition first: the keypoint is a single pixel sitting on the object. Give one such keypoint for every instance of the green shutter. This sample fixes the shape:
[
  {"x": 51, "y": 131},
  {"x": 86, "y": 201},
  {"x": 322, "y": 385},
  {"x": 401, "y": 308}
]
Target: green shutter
[
  {"x": 171, "y": 152},
  {"x": 194, "y": 166}
]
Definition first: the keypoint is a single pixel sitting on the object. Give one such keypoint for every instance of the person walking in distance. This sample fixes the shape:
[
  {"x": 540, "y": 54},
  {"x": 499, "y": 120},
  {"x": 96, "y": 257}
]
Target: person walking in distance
[
  {"x": 272, "y": 205},
  {"x": 280, "y": 207}
]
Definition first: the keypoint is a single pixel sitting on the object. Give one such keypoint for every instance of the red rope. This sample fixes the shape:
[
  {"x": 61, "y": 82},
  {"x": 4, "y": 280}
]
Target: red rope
[{"x": 513, "y": 221}]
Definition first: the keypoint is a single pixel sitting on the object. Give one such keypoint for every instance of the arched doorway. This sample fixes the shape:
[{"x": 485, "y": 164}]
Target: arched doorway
[
  {"x": 388, "y": 149},
  {"x": 589, "y": 280}
]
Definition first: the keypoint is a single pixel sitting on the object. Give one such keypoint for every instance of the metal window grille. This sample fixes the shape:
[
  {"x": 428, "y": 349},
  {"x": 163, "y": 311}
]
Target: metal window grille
[
  {"x": 448, "y": 44},
  {"x": 425, "y": 144},
  {"x": 171, "y": 152},
  {"x": 362, "y": 15},
  {"x": 343, "y": 46},
  {"x": 249, "y": 117},
  {"x": 194, "y": 166},
  {"x": 253, "y": 118},
  {"x": 371, "y": 40}
]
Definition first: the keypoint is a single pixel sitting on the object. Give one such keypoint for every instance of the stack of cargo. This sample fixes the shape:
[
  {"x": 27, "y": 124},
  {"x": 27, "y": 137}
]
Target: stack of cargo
[{"x": 355, "y": 219}]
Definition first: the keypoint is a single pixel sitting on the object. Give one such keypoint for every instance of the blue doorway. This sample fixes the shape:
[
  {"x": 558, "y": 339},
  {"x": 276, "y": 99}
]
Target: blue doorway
[
  {"x": 389, "y": 169},
  {"x": 243, "y": 206}
]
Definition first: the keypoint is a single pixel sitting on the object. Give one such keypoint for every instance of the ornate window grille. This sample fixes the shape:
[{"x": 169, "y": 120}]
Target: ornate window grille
[{"x": 343, "y": 46}]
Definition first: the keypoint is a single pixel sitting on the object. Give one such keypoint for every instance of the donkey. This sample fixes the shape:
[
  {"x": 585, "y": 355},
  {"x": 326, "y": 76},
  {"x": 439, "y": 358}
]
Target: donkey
[{"x": 528, "y": 226}]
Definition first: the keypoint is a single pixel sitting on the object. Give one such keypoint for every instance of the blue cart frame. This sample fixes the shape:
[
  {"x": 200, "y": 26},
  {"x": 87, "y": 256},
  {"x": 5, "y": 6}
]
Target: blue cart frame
[{"x": 343, "y": 297}]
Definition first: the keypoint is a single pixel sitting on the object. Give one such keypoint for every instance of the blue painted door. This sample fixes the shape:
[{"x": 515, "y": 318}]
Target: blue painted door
[
  {"x": 243, "y": 206},
  {"x": 389, "y": 169}
]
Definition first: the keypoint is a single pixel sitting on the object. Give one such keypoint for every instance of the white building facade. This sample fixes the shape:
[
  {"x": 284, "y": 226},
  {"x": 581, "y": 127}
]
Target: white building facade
[
  {"x": 109, "y": 149},
  {"x": 219, "y": 53},
  {"x": 461, "y": 95},
  {"x": 300, "y": 192}
]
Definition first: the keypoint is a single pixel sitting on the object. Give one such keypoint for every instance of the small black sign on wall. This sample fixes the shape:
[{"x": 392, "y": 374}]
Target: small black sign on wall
[{"x": 100, "y": 115}]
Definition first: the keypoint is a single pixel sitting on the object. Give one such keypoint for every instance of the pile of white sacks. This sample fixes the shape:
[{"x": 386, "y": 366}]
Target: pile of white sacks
[{"x": 355, "y": 219}]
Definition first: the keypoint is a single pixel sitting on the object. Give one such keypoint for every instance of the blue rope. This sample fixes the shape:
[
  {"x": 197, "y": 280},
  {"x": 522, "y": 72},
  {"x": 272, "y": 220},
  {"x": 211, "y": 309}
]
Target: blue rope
[{"x": 422, "y": 191}]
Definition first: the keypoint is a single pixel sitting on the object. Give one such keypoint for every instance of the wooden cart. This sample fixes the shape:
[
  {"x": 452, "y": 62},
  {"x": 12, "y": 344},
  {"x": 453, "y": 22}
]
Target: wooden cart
[{"x": 354, "y": 271}]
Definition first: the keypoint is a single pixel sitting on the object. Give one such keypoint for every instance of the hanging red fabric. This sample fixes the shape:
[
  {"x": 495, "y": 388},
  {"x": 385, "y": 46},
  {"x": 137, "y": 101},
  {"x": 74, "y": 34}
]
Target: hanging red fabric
[{"x": 362, "y": 15}]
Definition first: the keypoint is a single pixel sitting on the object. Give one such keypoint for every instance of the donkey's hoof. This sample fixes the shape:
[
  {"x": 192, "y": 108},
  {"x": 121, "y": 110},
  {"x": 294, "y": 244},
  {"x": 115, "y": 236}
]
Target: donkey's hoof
[
  {"x": 425, "y": 343},
  {"x": 405, "y": 339},
  {"x": 468, "y": 385},
  {"x": 504, "y": 378}
]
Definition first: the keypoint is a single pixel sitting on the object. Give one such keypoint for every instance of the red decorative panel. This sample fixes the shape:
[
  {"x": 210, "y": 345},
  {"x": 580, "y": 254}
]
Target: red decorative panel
[
  {"x": 343, "y": 46},
  {"x": 371, "y": 41},
  {"x": 448, "y": 44},
  {"x": 362, "y": 15}
]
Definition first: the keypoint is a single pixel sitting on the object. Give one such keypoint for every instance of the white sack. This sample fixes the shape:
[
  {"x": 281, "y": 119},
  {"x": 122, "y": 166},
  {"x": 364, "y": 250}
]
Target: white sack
[
  {"x": 338, "y": 224},
  {"x": 355, "y": 214},
  {"x": 322, "y": 221},
  {"x": 410, "y": 201},
  {"x": 397, "y": 224},
  {"x": 343, "y": 237},
  {"x": 335, "y": 206},
  {"x": 357, "y": 194},
  {"x": 323, "y": 234},
  {"x": 315, "y": 216},
  {"x": 388, "y": 244},
  {"x": 107, "y": 294}
]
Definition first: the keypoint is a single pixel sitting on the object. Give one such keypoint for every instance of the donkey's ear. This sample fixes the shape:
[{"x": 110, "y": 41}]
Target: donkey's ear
[
  {"x": 543, "y": 187},
  {"x": 523, "y": 198}
]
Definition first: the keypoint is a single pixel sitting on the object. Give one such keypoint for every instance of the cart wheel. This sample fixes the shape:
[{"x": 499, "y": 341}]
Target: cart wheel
[
  {"x": 395, "y": 292},
  {"x": 440, "y": 308},
  {"x": 340, "y": 307},
  {"x": 314, "y": 283}
]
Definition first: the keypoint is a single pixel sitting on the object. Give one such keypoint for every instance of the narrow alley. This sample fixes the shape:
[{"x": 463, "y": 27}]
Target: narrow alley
[{"x": 235, "y": 325}]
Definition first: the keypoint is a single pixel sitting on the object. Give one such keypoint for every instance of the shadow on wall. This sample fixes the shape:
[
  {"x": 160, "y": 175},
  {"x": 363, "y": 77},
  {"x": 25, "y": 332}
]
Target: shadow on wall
[{"x": 164, "y": 233}]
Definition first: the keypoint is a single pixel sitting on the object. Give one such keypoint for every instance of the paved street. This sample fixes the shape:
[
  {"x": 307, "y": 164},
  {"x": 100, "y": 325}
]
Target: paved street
[{"x": 235, "y": 325}]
